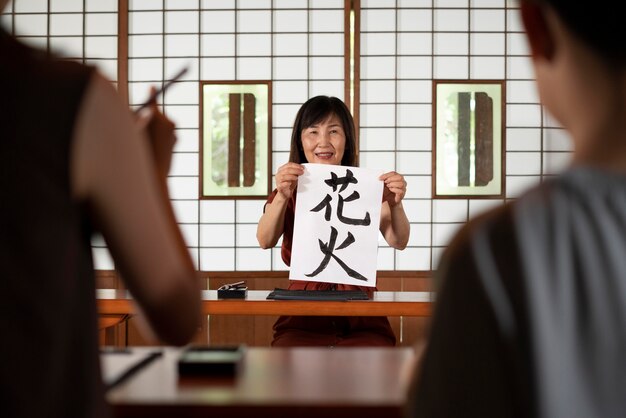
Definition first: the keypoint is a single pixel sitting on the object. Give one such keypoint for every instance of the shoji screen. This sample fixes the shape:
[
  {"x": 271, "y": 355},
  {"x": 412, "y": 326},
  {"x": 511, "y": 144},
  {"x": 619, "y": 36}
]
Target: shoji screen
[
  {"x": 299, "y": 46},
  {"x": 405, "y": 45},
  {"x": 82, "y": 30}
]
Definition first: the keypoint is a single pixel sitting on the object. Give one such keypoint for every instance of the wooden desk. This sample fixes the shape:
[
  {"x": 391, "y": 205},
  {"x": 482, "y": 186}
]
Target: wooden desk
[
  {"x": 275, "y": 382},
  {"x": 118, "y": 302}
]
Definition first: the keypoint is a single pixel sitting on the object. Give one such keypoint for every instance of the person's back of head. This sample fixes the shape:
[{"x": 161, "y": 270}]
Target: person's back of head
[
  {"x": 530, "y": 317},
  {"x": 598, "y": 25}
]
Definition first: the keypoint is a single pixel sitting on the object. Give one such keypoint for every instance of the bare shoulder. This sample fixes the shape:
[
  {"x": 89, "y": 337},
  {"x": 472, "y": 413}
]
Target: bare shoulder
[
  {"x": 104, "y": 131},
  {"x": 102, "y": 101}
]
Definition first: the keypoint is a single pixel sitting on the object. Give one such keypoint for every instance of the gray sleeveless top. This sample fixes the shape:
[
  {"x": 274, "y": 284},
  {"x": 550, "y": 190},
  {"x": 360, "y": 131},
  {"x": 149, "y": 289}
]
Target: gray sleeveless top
[{"x": 530, "y": 317}]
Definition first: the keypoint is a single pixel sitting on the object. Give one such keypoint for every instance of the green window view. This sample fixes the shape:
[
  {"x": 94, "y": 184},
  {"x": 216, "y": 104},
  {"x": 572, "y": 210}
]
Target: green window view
[
  {"x": 468, "y": 139},
  {"x": 235, "y": 140}
]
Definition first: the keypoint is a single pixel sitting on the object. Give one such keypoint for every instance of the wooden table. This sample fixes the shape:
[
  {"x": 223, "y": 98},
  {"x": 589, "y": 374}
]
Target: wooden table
[
  {"x": 275, "y": 382},
  {"x": 115, "y": 307},
  {"x": 119, "y": 302}
]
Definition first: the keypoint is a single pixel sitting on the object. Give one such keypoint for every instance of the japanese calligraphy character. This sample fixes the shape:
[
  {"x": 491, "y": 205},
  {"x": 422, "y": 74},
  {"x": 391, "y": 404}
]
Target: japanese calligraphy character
[
  {"x": 355, "y": 195},
  {"x": 328, "y": 251},
  {"x": 335, "y": 181}
]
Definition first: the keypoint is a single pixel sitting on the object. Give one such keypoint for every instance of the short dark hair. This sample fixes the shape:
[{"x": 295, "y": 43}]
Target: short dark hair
[
  {"x": 598, "y": 25},
  {"x": 315, "y": 110}
]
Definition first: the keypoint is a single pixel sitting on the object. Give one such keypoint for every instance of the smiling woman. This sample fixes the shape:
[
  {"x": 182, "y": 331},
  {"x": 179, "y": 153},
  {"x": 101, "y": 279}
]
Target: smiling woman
[
  {"x": 324, "y": 142},
  {"x": 317, "y": 111},
  {"x": 324, "y": 133}
]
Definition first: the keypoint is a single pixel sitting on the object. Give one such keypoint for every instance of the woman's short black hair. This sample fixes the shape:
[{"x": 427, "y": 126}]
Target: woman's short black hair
[
  {"x": 598, "y": 25},
  {"x": 316, "y": 110}
]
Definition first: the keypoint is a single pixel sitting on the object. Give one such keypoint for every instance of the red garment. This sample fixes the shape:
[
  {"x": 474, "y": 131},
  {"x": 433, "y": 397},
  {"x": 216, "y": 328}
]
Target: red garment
[{"x": 290, "y": 331}]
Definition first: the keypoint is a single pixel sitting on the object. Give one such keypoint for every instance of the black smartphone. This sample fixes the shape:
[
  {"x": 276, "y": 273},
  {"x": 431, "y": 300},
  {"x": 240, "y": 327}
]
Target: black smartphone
[{"x": 201, "y": 360}]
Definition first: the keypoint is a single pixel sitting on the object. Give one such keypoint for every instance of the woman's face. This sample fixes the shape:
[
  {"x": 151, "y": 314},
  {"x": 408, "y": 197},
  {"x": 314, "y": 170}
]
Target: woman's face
[{"x": 324, "y": 142}]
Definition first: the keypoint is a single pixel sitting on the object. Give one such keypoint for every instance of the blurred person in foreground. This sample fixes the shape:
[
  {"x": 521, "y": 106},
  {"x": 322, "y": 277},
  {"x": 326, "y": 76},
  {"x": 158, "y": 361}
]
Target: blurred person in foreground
[
  {"x": 530, "y": 318},
  {"x": 74, "y": 161}
]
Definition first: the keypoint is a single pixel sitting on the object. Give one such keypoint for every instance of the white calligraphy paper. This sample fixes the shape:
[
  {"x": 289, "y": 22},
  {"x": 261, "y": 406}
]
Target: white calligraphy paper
[{"x": 337, "y": 222}]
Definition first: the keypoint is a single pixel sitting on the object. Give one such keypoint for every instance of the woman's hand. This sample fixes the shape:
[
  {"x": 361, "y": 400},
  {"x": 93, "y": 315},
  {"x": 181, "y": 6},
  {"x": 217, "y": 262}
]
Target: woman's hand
[
  {"x": 160, "y": 131},
  {"x": 287, "y": 178},
  {"x": 394, "y": 223},
  {"x": 272, "y": 222},
  {"x": 395, "y": 188}
]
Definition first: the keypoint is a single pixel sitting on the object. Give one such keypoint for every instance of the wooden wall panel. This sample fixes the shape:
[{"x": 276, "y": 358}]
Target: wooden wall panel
[
  {"x": 252, "y": 330},
  {"x": 414, "y": 329}
]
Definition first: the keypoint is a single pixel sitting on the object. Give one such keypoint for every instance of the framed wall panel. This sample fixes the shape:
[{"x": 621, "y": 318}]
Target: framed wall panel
[
  {"x": 235, "y": 140},
  {"x": 468, "y": 138}
]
